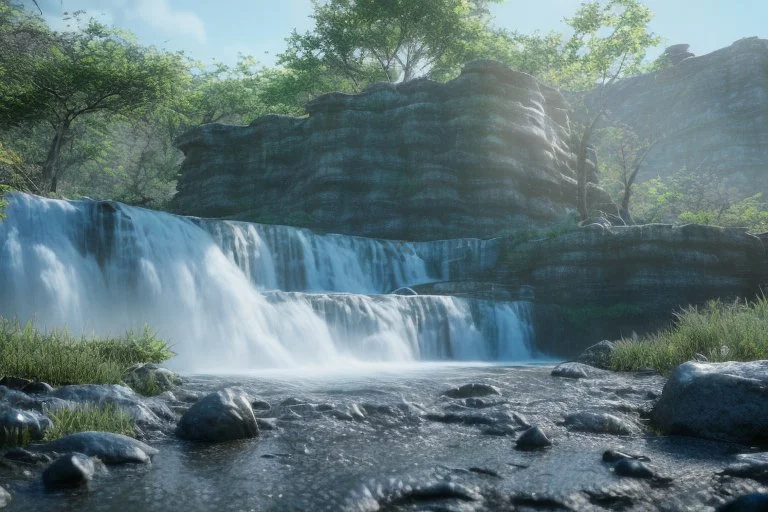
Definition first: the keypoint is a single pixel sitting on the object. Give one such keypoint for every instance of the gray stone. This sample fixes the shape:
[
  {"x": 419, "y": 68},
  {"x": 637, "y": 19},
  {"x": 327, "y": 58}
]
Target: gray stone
[
  {"x": 571, "y": 370},
  {"x": 71, "y": 470},
  {"x": 472, "y": 391},
  {"x": 633, "y": 468},
  {"x": 753, "y": 502},
  {"x": 598, "y": 355},
  {"x": 150, "y": 379},
  {"x": 19, "y": 425},
  {"x": 222, "y": 416},
  {"x": 26, "y": 456},
  {"x": 532, "y": 439},
  {"x": 723, "y": 401},
  {"x": 38, "y": 388},
  {"x": 148, "y": 413},
  {"x": 600, "y": 423},
  {"x": 109, "y": 448},
  {"x": 5, "y": 498},
  {"x": 14, "y": 382}
]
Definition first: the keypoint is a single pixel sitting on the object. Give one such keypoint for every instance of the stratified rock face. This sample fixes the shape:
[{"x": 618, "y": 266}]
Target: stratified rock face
[
  {"x": 604, "y": 283},
  {"x": 485, "y": 153},
  {"x": 708, "y": 112}
]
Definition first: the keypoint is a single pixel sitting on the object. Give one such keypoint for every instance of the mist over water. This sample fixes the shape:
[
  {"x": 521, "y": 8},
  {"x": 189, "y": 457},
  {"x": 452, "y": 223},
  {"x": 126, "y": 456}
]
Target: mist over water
[{"x": 101, "y": 268}]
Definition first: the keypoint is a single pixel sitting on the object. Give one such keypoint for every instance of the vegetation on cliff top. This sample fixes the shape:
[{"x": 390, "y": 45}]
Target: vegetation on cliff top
[
  {"x": 58, "y": 358},
  {"x": 719, "y": 331}
]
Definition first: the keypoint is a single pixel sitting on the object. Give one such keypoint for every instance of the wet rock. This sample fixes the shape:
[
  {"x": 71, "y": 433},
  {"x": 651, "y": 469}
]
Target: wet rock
[
  {"x": 14, "y": 383},
  {"x": 572, "y": 370},
  {"x": 532, "y": 439},
  {"x": 748, "y": 503},
  {"x": 267, "y": 423},
  {"x": 722, "y": 401},
  {"x": 615, "y": 456},
  {"x": 109, "y": 448},
  {"x": 356, "y": 413},
  {"x": 598, "y": 355},
  {"x": 753, "y": 466},
  {"x": 19, "y": 425},
  {"x": 260, "y": 405},
  {"x": 340, "y": 415},
  {"x": 600, "y": 423},
  {"x": 633, "y": 469},
  {"x": 405, "y": 291},
  {"x": 479, "y": 403},
  {"x": 71, "y": 470},
  {"x": 325, "y": 408},
  {"x": 150, "y": 379},
  {"x": 292, "y": 401},
  {"x": 38, "y": 388},
  {"x": 16, "y": 398},
  {"x": 5, "y": 498},
  {"x": 26, "y": 456},
  {"x": 148, "y": 413},
  {"x": 222, "y": 416},
  {"x": 472, "y": 391}
]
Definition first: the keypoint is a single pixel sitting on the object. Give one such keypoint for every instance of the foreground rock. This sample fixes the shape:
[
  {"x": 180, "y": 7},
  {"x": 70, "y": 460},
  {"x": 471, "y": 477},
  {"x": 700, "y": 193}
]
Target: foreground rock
[
  {"x": 573, "y": 370},
  {"x": 533, "y": 439},
  {"x": 17, "y": 424},
  {"x": 472, "y": 391},
  {"x": 598, "y": 355},
  {"x": 222, "y": 416},
  {"x": 71, "y": 470},
  {"x": 150, "y": 379},
  {"x": 722, "y": 401},
  {"x": 600, "y": 423},
  {"x": 109, "y": 448},
  {"x": 5, "y": 498}
]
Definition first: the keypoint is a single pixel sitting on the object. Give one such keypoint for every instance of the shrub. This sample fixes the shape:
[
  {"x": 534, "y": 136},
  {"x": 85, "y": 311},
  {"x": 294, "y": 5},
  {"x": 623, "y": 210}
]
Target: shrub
[
  {"x": 85, "y": 418},
  {"x": 58, "y": 358},
  {"x": 719, "y": 331}
]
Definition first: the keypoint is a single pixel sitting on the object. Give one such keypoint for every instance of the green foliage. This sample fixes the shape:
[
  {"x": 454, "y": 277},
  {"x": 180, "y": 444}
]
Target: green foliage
[
  {"x": 89, "y": 418},
  {"x": 582, "y": 317},
  {"x": 58, "y": 358},
  {"x": 720, "y": 331},
  {"x": 361, "y": 41},
  {"x": 3, "y": 202},
  {"x": 148, "y": 387}
]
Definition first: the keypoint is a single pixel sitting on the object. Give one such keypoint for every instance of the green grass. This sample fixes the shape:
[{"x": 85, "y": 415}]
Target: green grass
[
  {"x": 719, "y": 331},
  {"x": 87, "y": 418},
  {"x": 58, "y": 358}
]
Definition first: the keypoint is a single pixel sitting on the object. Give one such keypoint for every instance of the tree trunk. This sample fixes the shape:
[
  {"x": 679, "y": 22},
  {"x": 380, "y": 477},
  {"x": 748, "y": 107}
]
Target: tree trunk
[
  {"x": 624, "y": 208},
  {"x": 581, "y": 178},
  {"x": 51, "y": 165}
]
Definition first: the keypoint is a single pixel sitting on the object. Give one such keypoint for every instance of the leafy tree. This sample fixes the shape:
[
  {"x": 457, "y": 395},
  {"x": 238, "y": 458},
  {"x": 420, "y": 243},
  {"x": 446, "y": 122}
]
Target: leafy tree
[
  {"x": 72, "y": 75},
  {"x": 610, "y": 40},
  {"x": 367, "y": 40}
]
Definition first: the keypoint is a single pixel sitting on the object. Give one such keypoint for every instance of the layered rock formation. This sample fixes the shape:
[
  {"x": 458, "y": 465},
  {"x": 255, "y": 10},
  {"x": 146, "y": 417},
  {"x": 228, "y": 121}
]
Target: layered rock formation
[
  {"x": 708, "y": 112},
  {"x": 485, "y": 153},
  {"x": 596, "y": 283}
]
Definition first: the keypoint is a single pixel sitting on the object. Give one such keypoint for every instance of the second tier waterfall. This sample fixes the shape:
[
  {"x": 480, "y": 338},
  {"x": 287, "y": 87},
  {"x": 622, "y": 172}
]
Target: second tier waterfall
[{"x": 102, "y": 267}]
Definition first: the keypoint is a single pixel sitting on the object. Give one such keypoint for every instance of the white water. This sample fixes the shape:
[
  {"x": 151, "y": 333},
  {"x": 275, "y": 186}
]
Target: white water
[{"x": 84, "y": 266}]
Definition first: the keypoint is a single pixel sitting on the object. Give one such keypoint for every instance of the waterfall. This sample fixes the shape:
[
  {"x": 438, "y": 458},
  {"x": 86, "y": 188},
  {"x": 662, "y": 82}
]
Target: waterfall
[{"x": 103, "y": 267}]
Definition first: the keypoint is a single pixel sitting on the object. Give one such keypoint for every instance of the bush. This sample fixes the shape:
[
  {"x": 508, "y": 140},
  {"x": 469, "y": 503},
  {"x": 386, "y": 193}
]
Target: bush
[
  {"x": 86, "y": 418},
  {"x": 719, "y": 331},
  {"x": 58, "y": 358}
]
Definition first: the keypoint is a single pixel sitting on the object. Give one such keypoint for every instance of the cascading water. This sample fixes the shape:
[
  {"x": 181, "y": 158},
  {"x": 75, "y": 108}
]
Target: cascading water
[{"x": 102, "y": 267}]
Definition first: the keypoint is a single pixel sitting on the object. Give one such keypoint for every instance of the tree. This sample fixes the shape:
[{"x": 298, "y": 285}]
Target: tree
[
  {"x": 392, "y": 40},
  {"x": 71, "y": 75},
  {"x": 622, "y": 155},
  {"x": 610, "y": 40}
]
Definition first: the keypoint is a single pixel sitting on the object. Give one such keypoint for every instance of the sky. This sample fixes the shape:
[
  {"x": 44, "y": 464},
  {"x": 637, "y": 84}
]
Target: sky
[{"x": 220, "y": 29}]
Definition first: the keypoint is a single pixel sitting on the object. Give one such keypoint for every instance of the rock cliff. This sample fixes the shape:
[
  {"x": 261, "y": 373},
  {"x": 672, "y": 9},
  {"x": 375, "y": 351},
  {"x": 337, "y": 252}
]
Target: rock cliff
[
  {"x": 708, "y": 112},
  {"x": 482, "y": 154},
  {"x": 596, "y": 283}
]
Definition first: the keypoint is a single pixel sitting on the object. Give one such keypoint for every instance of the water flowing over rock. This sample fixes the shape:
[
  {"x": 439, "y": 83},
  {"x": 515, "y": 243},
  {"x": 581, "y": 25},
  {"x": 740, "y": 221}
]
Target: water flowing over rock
[
  {"x": 482, "y": 154},
  {"x": 106, "y": 267}
]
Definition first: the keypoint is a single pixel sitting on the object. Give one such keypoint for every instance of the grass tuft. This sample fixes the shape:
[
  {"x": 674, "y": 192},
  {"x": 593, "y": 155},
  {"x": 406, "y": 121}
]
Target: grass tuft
[
  {"x": 58, "y": 358},
  {"x": 720, "y": 331},
  {"x": 85, "y": 418}
]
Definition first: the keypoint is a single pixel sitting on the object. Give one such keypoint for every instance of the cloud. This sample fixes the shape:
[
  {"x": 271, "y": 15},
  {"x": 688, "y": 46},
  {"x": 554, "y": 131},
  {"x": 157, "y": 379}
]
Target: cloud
[{"x": 160, "y": 15}]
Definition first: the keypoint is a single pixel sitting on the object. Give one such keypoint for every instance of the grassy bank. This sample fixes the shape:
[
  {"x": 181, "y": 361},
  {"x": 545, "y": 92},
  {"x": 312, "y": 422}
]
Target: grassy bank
[
  {"x": 719, "y": 331},
  {"x": 86, "y": 418},
  {"x": 58, "y": 358}
]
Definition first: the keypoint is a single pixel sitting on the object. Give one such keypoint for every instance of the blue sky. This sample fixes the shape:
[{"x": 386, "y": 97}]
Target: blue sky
[{"x": 208, "y": 29}]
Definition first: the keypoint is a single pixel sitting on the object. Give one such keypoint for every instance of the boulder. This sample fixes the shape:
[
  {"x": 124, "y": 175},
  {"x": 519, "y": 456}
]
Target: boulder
[
  {"x": 109, "y": 448},
  {"x": 14, "y": 382},
  {"x": 600, "y": 423},
  {"x": 472, "y": 391},
  {"x": 5, "y": 498},
  {"x": 222, "y": 416},
  {"x": 38, "y": 388},
  {"x": 150, "y": 379},
  {"x": 571, "y": 370},
  {"x": 598, "y": 355},
  {"x": 19, "y": 425},
  {"x": 532, "y": 439},
  {"x": 722, "y": 401},
  {"x": 71, "y": 470},
  {"x": 147, "y": 413}
]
